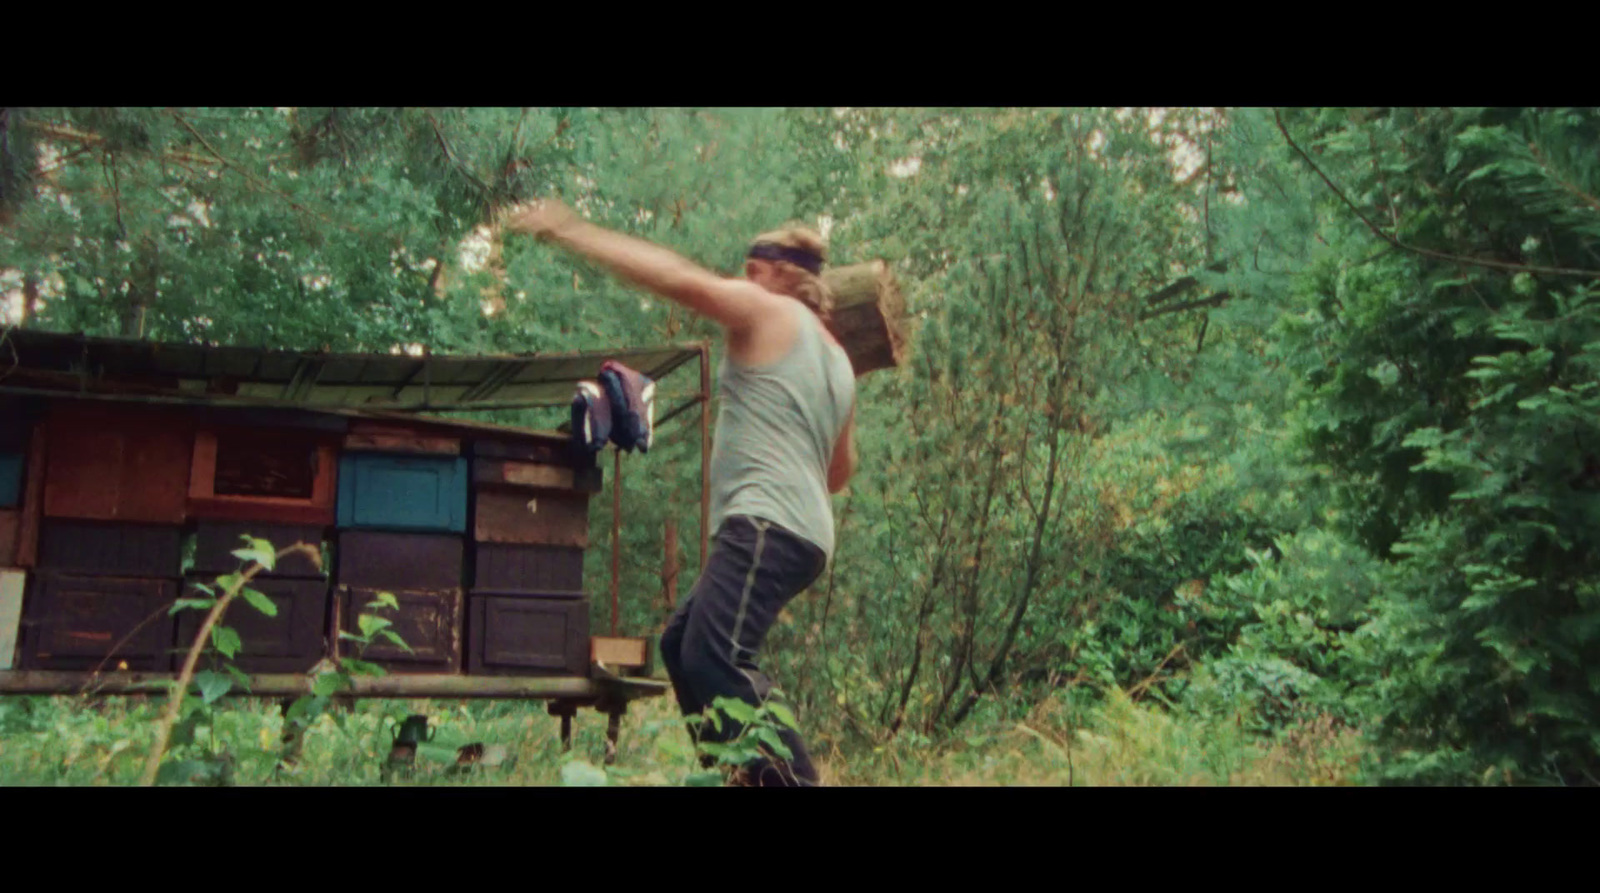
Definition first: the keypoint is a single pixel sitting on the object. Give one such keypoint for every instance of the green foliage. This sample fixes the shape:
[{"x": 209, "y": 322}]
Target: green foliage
[
  {"x": 1453, "y": 392},
  {"x": 1182, "y": 443}
]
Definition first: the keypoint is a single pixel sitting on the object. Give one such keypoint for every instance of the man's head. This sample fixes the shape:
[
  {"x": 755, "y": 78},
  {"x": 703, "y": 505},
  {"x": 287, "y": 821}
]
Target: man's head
[{"x": 789, "y": 262}]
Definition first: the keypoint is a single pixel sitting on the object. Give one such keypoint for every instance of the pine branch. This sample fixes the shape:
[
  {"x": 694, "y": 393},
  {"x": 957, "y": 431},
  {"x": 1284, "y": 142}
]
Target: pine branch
[
  {"x": 257, "y": 181},
  {"x": 1425, "y": 252}
]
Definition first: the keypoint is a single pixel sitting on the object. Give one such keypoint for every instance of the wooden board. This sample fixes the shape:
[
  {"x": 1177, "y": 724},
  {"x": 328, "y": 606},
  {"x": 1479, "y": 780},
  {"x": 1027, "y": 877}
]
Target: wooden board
[
  {"x": 398, "y": 439},
  {"x": 76, "y": 622},
  {"x": 623, "y": 653},
  {"x": 534, "y": 475},
  {"x": 10, "y": 527},
  {"x": 428, "y": 620},
  {"x": 292, "y": 641},
  {"x": 576, "y": 689},
  {"x": 32, "y": 502},
  {"x": 12, "y": 583},
  {"x": 546, "y": 518},
  {"x": 552, "y": 450},
  {"x": 112, "y": 465}
]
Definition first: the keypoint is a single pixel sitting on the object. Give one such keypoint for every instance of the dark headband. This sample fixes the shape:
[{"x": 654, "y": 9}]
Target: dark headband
[{"x": 801, "y": 258}]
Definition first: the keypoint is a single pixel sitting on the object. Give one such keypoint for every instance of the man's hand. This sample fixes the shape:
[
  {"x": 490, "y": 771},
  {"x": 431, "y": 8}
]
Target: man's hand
[{"x": 539, "y": 219}]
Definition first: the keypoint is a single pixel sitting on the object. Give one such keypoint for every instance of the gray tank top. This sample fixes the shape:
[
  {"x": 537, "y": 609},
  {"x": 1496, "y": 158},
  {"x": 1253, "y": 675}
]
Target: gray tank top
[{"x": 776, "y": 431}]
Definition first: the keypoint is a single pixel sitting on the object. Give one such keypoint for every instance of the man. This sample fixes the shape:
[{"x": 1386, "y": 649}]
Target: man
[{"x": 784, "y": 440}]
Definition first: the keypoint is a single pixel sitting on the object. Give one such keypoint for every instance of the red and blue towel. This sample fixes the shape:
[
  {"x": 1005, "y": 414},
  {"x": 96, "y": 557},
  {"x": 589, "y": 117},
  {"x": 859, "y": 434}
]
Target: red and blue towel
[{"x": 619, "y": 408}]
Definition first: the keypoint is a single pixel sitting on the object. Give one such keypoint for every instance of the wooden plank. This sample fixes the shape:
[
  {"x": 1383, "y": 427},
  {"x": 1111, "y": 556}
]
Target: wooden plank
[
  {"x": 388, "y": 439},
  {"x": 549, "y": 450},
  {"x": 535, "y": 475},
  {"x": 579, "y": 689},
  {"x": 10, "y": 523},
  {"x": 624, "y": 652},
  {"x": 32, "y": 502},
  {"x": 547, "y": 518},
  {"x": 526, "y": 474},
  {"x": 12, "y": 583}
]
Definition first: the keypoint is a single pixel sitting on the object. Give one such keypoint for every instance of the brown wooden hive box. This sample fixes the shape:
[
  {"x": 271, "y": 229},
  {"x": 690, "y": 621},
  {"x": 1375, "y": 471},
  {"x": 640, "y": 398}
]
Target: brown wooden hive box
[
  {"x": 381, "y": 559},
  {"x": 75, "y": 622},
  {"x": 216, "y": 541},
  {"x": 520, "y": 568},
  {"x": 527, "y": 635},
  {"x": 290, "y": 642},
  {"x": 532, "y": 517},
  {"x": 428, "y": 620},
  {"x": 118, "y": 550},
  {"x": 263, "y": 474},
  {"x": 111, "y": 464}
]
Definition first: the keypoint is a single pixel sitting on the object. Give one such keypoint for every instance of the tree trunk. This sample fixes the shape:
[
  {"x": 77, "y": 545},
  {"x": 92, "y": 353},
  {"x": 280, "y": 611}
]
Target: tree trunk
[{"x": 868, "y": 315}]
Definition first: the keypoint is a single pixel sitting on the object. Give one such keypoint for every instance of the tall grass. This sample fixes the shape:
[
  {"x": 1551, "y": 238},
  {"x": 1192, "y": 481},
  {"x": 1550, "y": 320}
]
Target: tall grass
[{"x": 1116, "y": 741}]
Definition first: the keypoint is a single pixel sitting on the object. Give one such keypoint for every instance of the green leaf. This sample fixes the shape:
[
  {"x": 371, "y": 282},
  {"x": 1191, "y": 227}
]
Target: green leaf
[
  {"x": 704, "y": 780},
  {"x": 737, "y": 710},
  {"x": 361, "y": 667},
  {"x": 394, "y": 637},
  {"x": 306, "y": 708},
  {"x": 183, "y": 730},
  {"x": 581, "y": 774},
  {"x": 213, "y": 685},
  {"x": 264, "y": 557},
  {"x": 370, "y": 624},
  {"x": 385, "y": 600},
  {"x": 180, "y": 772},
  {"x": 230, "y": 582},
  {"x": 199, "y": 604},
  {"x": 226, "y": 640},
  {"x": 326, "y": 684},
  {"x": 260, "y": 602},
  {"x": 770, "y": 738},
  {"x": 239, "y": 676},
  {"x": 782, "y": 714}
]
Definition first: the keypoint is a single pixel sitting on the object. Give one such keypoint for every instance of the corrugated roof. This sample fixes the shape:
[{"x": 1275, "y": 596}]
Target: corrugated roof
[{"x": 316, "y": 379}]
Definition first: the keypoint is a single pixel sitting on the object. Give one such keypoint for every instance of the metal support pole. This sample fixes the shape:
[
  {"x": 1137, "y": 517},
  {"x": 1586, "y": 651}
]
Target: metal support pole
[
  {"x": 705, "y": 451},
  {"x": 616, "y": 536}
]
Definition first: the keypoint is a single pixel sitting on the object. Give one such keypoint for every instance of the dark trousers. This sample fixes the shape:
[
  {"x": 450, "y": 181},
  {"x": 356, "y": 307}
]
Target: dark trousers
[{"x": 710, "y": 644}]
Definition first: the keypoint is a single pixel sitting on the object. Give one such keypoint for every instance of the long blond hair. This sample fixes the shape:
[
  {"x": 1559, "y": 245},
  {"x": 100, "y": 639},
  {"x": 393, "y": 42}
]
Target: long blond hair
[{"x": 797, "y": 282}]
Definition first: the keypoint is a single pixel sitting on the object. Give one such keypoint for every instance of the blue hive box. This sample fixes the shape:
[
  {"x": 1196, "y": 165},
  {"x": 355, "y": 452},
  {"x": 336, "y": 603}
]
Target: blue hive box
[{"x": 385, "y": 491}]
